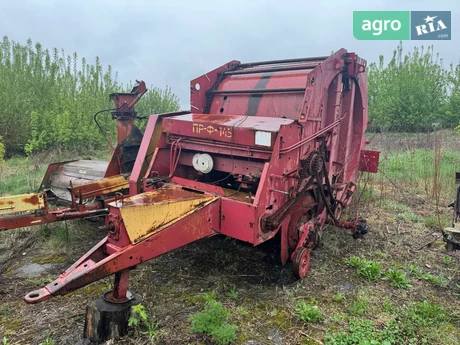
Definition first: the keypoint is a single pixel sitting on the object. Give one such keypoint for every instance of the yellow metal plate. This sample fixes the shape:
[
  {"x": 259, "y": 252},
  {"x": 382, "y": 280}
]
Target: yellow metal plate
[
  {"x": 148, "y": 213},
  {"x": 21, "y": 203},
  {"x": 100, "y": 187}
]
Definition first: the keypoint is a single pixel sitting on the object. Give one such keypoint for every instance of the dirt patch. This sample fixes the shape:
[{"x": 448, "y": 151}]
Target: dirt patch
[{"x": 33, "y": 270}]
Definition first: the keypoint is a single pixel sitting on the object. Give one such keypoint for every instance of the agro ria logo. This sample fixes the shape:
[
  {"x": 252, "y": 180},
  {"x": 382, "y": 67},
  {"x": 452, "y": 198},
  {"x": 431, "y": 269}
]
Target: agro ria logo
[{"x": 431, "y": 25}]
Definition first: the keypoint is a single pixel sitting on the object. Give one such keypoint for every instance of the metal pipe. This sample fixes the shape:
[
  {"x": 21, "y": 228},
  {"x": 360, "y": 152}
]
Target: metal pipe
[
  {"x": 273, "y": 62},
  {"x": 291, "y": 89},
  {"x": 276, "y": 69}
]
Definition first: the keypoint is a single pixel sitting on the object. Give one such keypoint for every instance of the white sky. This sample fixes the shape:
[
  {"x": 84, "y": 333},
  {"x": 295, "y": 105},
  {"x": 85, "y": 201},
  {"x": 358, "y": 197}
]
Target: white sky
[{"x": 172, "y": 42}]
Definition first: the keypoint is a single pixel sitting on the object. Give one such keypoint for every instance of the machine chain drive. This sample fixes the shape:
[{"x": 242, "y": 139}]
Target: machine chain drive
[{"x": 315, "y": 167}]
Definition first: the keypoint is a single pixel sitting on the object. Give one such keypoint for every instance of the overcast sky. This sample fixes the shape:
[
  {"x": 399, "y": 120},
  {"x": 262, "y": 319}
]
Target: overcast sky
[{"x": 171, "y": 42}]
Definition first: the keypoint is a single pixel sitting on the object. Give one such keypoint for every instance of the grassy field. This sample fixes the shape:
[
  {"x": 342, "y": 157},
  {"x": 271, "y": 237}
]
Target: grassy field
[{"x": 396, "y": 286}]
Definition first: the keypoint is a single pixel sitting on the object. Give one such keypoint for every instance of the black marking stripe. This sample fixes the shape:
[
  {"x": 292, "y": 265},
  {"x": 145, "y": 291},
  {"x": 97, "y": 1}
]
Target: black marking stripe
[{"x": 254, "y": 100}]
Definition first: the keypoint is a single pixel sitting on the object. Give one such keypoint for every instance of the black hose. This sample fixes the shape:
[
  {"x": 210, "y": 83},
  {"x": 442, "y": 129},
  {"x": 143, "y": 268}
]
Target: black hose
[{"x": 99, "y": 126}]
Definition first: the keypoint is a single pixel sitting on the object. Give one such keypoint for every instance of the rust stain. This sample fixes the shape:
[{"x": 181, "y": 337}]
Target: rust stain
[
  {"x": 220, "y": 119},
  {"x": 162, "y": 194},
  {"x": 33, "y": 200}
]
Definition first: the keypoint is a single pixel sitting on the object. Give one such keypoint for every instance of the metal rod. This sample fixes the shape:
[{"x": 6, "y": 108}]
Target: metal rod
[
  {"x": 258, "y": 63},
  {"x": 280, "y": 191},
  {"x": 291, "y": 89},
  {"x": 276, "y": 69}
]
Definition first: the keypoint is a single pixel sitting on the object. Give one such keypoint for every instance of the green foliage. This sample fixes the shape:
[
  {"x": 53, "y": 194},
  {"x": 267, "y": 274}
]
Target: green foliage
[
  {"x": 418, "y": 273},
  {"x": 5, "y": 341},
  {"x": 432, "y": 222},
  {"x": 360, "y": 332},
  {"x": 338, "y": 297},
  {"x": 392, "y": 205},
  {"x": 213, "y": 321},
  {"x": 233, "y": 293},
  {"x": 371, "y": 270},
  {"x": 47, "y": 341},
  {"x": 413, "y": 91},
  {"x": 60, "y": 236},
  {"x": 438, "y": 280},
  {"x": 141, "y": 323},
  {"x": 397, "y": 278},
  {"x": 367, "y": 194},
  {"x": 447, "y": 260},
  {"x": 426, "y": 313},
  {"x": 49, "y": 98},
  {"x": 307, "y": 312},
  {"x": 359, "y": 306},
  {"x": 416, "y": 167},
  {"x": 417, "y": 323},
  {"x": 156, "y": 101},
  {"x": 408, "y": 217}
]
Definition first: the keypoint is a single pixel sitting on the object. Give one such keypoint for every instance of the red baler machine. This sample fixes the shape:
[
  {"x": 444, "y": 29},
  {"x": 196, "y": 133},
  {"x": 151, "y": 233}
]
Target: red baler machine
[{"x": 268, "y": 147}]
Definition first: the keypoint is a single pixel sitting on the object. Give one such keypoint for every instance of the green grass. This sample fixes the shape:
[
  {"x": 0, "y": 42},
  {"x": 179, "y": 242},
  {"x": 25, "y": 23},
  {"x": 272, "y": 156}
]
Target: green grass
[
  {"x": 397, "y": 278},
  {"x": 391, "y": 205},
  {"x": 307, "y": 312},
  {"x": 416, "y": 167},
  {"x": 417, "y": 272},
  {"x": 359, "y": 306},
  {"x": 371, "y": 270},
  {"x": 19, "y": 176},
  {"x": 233, "y": 293},
  {"x": 426, "y": 313},
  {"x": 447, "y": 260},
  {"x": 417, "y": 323},
  {"x": 431, "y": 222},
  {"x": 338, "y": 297},
  {"x": 409, "y": 217}
]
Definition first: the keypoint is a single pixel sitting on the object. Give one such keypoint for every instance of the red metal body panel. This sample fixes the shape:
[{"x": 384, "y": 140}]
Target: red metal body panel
[
  {"x": 225, "y": 128},
  {"x": 137, "y": 173},
  {"x": 200, "y": 85},
  {"x": 369, "y": 161}
]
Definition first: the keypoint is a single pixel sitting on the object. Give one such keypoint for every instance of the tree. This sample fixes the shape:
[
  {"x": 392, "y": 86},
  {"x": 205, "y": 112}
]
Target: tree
[
  {"x": 409, "y": 94},
  {"x": 48, "y": 99}
]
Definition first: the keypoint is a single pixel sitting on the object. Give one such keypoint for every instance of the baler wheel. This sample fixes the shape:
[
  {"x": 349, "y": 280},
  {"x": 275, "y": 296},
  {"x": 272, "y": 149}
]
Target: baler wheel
[{"x": 301, "y": 262}]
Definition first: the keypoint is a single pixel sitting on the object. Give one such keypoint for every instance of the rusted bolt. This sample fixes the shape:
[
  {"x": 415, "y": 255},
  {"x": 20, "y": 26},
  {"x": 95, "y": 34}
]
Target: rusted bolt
[{"x": 108, "y": 227}]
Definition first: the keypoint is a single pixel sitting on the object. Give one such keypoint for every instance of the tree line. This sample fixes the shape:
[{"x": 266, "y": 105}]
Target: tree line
[
  {"x": 48, "y": 99},
  {"x": 414, "y": 92}
]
